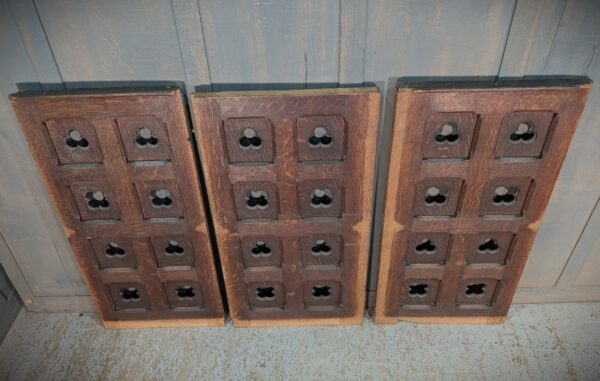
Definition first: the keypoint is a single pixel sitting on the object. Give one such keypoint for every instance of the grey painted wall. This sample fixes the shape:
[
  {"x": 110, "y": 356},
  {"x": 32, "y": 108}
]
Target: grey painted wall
[{"x": 219, "y": 45}]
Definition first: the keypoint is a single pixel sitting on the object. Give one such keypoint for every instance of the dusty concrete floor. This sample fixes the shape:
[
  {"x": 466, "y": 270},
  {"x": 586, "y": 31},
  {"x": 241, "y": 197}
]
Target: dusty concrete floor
[{"x": 538, "y": 342}]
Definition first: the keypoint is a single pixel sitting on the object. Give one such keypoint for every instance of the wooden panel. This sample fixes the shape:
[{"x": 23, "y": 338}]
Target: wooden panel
[
  {"x": 91, "y": 149},
  {"x": 303, "y": 206},
  {"x": 504, "y": 202}
]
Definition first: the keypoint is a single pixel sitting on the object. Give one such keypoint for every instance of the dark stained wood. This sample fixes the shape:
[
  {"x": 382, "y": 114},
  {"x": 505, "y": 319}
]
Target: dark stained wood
[
  {"x": 456, "y": 254},
  {"x": 298, "y": 256},
  {"x": 125, "y": 186}
]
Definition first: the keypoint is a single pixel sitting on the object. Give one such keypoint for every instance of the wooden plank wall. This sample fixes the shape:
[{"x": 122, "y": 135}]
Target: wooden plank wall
[{"x": 243, "y": 44}]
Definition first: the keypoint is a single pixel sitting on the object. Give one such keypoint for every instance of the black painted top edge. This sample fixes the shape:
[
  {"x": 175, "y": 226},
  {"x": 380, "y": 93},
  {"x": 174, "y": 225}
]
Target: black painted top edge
[
  {"x": 447, "y": 84},
  {"x": 101, "y": 91}
]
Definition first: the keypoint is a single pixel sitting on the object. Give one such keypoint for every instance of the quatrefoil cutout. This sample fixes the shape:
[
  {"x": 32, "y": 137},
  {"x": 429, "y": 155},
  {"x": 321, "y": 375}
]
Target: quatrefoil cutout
[
  {"x": 489, "y": 246},
  {"x": 144, "y": 138},
  {"x": 418, "y": 289},
  {"x": 320, "y": 248},
  {"x": 249, "y": 139},
  {"x": 113, "y": 250},
  {"x": 505, "y": 195},
  {"x": 173, "y": 248},
  {"x": 320, "y": 138},
  {"x": 96, "y": 200},
  {"x": 265, "y": 293},
  {"x": 447, "y": 135},
  {"x": 475, "y": 289},
  {"x": 257, "y": 200},
  {"x": 75, "y": 140},
  {"x": 426, "y": 246},
  {"x": 321, "y": 198},
  {"x": 130, "y": 294},
  {"x": 434, "y": 196},
  {"x": 160, "y": 198},
  {"x": 321, "y": 292},
  {"x": 523, "y": 134},
  {"x": 185, "y": 293},
  {"x": 261, "y": 249}
]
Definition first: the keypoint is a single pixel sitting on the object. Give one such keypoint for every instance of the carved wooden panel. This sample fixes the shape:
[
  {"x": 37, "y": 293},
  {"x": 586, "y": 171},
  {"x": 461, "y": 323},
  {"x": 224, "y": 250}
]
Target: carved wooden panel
[
  {"x": 471, "y": 171},
  {"x": 120, "y": 169},
  {"x": 290, "y": 178}
]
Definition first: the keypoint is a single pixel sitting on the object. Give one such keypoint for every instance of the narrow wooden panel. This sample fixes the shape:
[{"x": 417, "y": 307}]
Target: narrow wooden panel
[
  {"x": 293, "y": 220},
  {"x": 120, "y": 170},
  {"x": 476, "y": 225}
]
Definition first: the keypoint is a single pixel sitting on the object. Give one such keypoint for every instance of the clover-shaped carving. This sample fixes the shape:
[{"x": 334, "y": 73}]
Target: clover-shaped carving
[
  {"x": 475, "y": 289},
  {"x": 129, "y": 294},
  {"x": 261, "y": 249},
  {"x": 489, "y": 246},
  {"x": 185, "y": 293},
  {"x": 249, "y": 140},
  {"x": 418, "y": 289},
  {"x": 96, "y": 200},
  {"x": 265, "y": 293},
  {"x": 320, "y": 138},
  {"x": 160, "y": 198},
  {"x": 113, "y": 250},
  {"x": 505, "y": 195},
  {"x": 257, "y": 200},
  {"x": 75, "y": 140},
  {"x": 434, "y": 196},
  {"x": 321, "y": 292},
  {"x": 173, "y": 248},
  {"x": 523, "y": 134},
  {"x": 447, "y": 135},
  {"x": 320, "y": 248},
  {"x": 321, "y": 198},
  {"x": 426, "y": 246},
  {"x": 144, "y": 138}
]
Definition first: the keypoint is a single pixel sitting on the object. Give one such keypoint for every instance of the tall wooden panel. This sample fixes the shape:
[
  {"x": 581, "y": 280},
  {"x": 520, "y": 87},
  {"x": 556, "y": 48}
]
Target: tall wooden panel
[
  {"x": 472, "y": 169},
  {"x": 120, "y": 170},
  {"x": 290, "y": 178}
]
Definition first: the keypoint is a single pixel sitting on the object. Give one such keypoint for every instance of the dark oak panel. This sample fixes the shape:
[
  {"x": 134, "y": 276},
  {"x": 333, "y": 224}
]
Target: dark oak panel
[
  {"x": 120, "y": 169},
  {"x": 290, "y": 178},
  {"x": 474, "y": 169}
]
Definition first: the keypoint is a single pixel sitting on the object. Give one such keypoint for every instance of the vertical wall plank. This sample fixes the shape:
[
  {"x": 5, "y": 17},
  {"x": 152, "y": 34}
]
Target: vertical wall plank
[
  {"x": 353, "y": 29},
  {"x": 572, "y": 50},
  {"x": 262, "y": 43}
]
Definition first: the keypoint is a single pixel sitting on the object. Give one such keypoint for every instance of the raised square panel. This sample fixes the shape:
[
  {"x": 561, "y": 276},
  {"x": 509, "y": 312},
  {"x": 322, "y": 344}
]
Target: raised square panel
[
  {"x": 74, "y": 140},
  {"x": 159, "y": 199},
  {"x": 427, "y": 248},
  {"x": 172, "y": 250},
  {"x": 321, "y": 250},
  {"x": 95, "y": 201},
  {"x": 114, "y": 252},
  {"x": 476, "y": 292},
  {"x": 492, "y": 247},
  {"x": 295, "y": 207},
  {"x": 129, "y": 296},
  {"x": 523, "y": 133},
  {"x": 437, "y": 197},
  {"x": 249, "y": 140},
  {"x": 265, "y": 295},
  {"x": 449, "y": 135},
  {"x": 320, "y": 138},
  {"x": 321, "y": 198},
  {"x": 419, "y": 292},
  {"x": 505, "y": 196},
  {"x": 256, "y": 200},
  {"x": 261, "y": 251},
  {"x": 321, "y": 293},
  {"x": 184, "y": 294},
  {"x": 144, "y": 138}
]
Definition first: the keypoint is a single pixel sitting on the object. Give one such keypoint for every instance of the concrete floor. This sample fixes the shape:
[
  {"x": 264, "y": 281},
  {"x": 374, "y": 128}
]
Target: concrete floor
[{"x": 538, "y": 342}]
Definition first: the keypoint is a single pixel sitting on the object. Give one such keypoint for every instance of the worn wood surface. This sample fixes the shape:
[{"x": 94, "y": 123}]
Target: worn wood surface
[
  {"x": 120, "y": 171},
  {"x": 471, "y": 178},
  {"x": 315, "y": 188}
]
